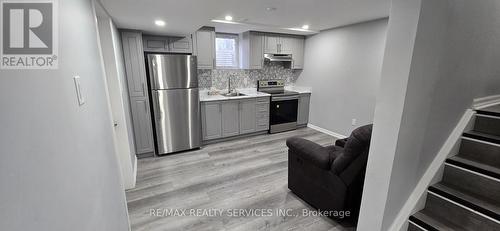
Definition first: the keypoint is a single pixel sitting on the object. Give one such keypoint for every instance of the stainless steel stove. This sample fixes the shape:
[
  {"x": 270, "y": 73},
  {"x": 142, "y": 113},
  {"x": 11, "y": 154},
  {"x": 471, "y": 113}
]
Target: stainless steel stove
[{"x": 284, "y": 105}]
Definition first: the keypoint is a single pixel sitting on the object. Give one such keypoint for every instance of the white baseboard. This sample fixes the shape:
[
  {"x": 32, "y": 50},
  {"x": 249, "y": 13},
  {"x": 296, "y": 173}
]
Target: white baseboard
[
  {"x": 449, "y": 147},
  {"x": 134, "y": 181},
  {"x": 487, "y": 101},
  {"x": 320, "y": 129}
]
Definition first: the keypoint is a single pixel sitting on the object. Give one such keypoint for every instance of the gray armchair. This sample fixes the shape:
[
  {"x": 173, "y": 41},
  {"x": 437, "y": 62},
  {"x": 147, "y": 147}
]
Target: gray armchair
[{"x": 330, "y": 178}]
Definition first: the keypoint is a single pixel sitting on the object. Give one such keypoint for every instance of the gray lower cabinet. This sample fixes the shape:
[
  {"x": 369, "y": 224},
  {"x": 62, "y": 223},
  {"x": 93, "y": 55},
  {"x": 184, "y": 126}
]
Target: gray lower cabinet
[
  {"x": 303, "y": 110},
  {"x": 135, "y": 70},
  {"x": 141, "y": 120},
  {"x": 211, "y": 116},
  {"x": 247, "y": 116},
  {"x": 230, "y": 118},
  {"x": 262, "y": 114}
]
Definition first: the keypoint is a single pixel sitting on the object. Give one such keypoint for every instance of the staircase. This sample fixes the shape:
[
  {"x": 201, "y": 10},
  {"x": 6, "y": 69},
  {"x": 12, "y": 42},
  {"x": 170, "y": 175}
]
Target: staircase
[{"x": 468, "y": 197}]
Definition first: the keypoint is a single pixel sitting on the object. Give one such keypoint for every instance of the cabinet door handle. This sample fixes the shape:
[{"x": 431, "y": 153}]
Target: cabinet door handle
[
  {"x": 145, "y": 107},
  {"x": 143, "y": 89}
]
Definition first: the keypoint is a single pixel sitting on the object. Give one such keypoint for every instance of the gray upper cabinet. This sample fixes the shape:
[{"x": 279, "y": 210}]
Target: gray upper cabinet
[
  {"x": 247, "y": 116},
  {"x": 155, "y": 43},
  {"x": 133, "y": 55},
  {"x": 271, "y": 44},
  {"x": 230, "y": 118},
  {"x": 211, "y": 114},
  {"x": 204, "y": 47},
  {"x": 303, "y": 112},
  {"x": 298, "y": 53},
  {"x": 141, "y": 120},
  {"x": 252, "y": 50},
  {"x": 167, "y": 44},
  {"x": 278, "y": 44},
  {"x": 180, "y": 44},
  {"x": 134, "y": 63},
  {"x": 286, "y": 44}
]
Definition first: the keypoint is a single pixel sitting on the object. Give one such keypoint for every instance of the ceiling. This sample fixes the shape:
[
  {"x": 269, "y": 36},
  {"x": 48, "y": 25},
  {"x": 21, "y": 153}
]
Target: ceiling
[{"x": 186, "y": 16}]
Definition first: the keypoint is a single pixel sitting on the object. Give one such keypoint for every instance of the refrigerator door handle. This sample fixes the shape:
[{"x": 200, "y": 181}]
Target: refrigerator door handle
[{"x": 156, "y": 106}]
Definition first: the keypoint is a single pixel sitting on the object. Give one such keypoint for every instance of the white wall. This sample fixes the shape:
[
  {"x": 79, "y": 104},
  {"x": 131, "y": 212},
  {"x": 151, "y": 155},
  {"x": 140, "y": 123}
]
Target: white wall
[
  {"x": 118, "y": 48},
  {"x": 440, "y": 56},
  {"x": 388, "y": 112},
  {"x": 118, "y": 95},
  {"x": 343, "y": 66},
  {"x": 58, "y": 170}
]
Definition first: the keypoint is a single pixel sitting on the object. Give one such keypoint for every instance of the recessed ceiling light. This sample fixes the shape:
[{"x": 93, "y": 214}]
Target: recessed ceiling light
[
  {"x": 160, "y": 23},
  {"x": 228, "y": 18},
  {"x": 305, "y": 27},
  {"x": 271, "y": 8}
]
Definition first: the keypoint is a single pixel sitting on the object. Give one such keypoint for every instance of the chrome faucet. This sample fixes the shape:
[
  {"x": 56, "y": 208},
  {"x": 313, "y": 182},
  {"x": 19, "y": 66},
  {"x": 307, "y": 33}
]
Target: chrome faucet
[{"x": 229, "y": 84}]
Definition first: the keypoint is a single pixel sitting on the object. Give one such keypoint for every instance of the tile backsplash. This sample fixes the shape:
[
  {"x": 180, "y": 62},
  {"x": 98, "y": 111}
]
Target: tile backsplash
[{"x": 243, "y": 78}]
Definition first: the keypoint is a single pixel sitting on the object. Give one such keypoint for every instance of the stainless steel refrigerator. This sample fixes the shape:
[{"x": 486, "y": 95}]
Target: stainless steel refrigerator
[{"x": 176, "y": 105}]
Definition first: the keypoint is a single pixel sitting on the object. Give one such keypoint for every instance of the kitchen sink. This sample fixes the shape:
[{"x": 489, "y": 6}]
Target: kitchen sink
[{"x": 233, "y": 94}]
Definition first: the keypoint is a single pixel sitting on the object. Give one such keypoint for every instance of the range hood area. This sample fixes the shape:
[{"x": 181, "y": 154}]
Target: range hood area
[{"x": 278, "y": 57}]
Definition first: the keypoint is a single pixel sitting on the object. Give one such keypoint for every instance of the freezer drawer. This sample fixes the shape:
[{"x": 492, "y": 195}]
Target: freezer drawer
[
  {"x": 172, "y": 71},
  {"x": 177, "y": 120}
]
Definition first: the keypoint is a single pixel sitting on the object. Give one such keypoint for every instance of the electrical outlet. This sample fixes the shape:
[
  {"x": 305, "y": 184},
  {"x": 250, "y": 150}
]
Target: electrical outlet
[{"x": 353, "y": 122}]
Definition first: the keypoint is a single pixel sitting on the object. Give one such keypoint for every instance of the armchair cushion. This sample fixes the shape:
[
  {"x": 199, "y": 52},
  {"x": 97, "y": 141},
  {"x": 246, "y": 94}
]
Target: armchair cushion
[
  {"x": 357, "y": 144},
  {"x": 341, "y": 142},
  {"x": 316, "y": 154}
]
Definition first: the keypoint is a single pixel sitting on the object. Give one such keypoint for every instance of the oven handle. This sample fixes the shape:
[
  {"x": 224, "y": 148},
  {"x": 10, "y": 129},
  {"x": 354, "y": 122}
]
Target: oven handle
[{"x": 283, "y": 98}]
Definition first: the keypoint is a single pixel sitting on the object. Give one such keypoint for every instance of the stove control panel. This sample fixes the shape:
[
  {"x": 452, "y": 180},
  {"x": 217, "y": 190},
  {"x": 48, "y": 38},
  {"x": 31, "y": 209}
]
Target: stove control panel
[{"x": 278, "y": 83}]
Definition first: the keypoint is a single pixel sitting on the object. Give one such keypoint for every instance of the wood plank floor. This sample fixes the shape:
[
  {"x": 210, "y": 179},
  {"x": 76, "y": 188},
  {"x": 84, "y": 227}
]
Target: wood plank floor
[{"x": 248, "y": 174}]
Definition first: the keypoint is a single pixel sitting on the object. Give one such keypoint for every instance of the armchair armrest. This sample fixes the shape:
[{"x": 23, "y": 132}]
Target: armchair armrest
[
  {"x": 341, "y": 142},
  {"x": 310, "y": 151}
]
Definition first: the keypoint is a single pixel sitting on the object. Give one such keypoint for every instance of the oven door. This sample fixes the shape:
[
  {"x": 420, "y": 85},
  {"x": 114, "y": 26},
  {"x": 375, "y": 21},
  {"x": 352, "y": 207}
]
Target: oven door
[{"x": 283, "y": 113}]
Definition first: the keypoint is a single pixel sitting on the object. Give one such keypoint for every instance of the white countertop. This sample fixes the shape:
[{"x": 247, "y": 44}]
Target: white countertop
[
  {"x": 299, "y": 89},
  {"x": 249, "y": 93}
]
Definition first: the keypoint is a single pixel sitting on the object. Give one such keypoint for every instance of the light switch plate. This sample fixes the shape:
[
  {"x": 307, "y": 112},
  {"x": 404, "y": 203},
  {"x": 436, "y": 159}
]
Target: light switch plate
[{"x": 79, "y": 93}]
